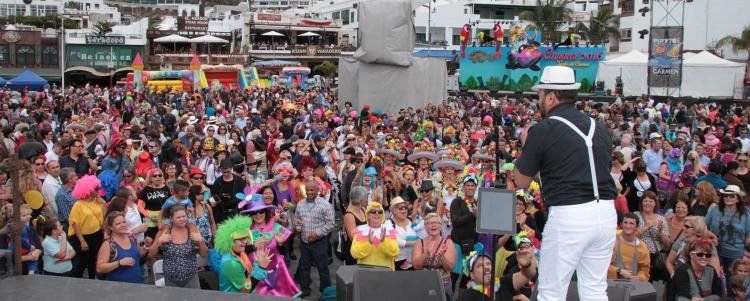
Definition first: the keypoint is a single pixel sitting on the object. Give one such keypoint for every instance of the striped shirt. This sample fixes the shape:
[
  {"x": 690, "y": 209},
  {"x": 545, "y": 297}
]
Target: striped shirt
[
  {"x": 64, "y": 200},
  {"x": 317, "y": 217}
]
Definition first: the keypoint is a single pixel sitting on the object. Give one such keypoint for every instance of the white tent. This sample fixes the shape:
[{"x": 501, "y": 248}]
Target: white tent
[
  {"x": 703, "y": 75},
  {"x": 632, "y": 66},
  {"x": 707, "y": 75}
]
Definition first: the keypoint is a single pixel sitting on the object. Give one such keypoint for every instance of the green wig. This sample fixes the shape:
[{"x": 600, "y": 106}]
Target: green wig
[{"x": 236, "y": 227}]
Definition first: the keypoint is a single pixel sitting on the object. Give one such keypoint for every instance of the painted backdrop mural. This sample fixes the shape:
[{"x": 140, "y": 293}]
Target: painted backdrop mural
[{"x": 520, "y": 66}]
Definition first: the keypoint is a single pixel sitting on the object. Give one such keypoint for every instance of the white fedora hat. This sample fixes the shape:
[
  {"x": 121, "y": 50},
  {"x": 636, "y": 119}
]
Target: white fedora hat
[{"x": 557, "y": 78}]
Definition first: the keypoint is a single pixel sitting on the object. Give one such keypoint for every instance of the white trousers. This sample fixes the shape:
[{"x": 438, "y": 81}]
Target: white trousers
[{"x": 577, "y": 238}]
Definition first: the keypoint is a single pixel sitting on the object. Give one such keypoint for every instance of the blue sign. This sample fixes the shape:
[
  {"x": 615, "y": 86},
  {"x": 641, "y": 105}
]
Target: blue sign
[{"x": 520, "y": 68}]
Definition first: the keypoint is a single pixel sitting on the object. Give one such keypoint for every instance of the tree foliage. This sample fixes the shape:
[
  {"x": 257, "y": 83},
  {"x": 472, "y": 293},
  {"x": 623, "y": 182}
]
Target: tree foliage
[
  {"x": 326, "y": 68},
  {"x": 102, "y": 28},
  {"x": 549, "y": 16},
  {"x": 603, "y": 25}
]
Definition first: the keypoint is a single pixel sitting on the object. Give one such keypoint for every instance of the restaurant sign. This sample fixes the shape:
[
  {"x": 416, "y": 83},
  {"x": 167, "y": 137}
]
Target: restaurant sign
[
  {"x": 105, "y": 40},
  {"x": 316, "y": 51},
  {"x": 193, "y": 23}
]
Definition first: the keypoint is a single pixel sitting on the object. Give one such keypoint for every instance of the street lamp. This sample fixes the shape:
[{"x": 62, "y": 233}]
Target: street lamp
[{"x": 429, "y": 24}]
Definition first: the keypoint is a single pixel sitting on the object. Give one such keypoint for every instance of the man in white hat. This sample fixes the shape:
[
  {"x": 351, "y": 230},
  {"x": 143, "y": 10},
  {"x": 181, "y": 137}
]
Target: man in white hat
[{"x": 571, "y": 153}]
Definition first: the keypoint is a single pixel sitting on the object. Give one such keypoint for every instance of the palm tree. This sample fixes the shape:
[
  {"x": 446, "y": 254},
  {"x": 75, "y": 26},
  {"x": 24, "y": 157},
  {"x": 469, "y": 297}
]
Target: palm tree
[
  {"x": 548, "y": 16},
  {"x": 102, "y": 28},
  {"x": 738, "y": 43},
  {"x": 603, "y": 25}
]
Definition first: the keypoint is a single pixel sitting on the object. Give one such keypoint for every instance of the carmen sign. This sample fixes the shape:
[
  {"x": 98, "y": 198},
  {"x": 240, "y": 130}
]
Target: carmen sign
[{"x": 105, "y": 40}]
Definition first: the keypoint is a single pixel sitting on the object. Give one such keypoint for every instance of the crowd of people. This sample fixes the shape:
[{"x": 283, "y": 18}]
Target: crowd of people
[{"x": 242, "y": 183}]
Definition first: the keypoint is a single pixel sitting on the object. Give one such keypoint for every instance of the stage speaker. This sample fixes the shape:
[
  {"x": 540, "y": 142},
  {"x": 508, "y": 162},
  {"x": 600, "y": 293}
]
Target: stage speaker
[
  {"x": 345, "y": 280},
  {"x": 398, "y": 286},
  {"x": 639, "y": 290},
  {"x": 617, "y": 290}
]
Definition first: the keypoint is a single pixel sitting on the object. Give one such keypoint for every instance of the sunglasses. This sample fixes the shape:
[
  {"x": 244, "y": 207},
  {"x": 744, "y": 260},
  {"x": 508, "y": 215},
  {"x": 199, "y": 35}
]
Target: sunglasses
[
  {"x": 257, "y": 212},
  {"x": 39, "y": 164},
  {"x": 400, "y": 208},
  {"x": 742, "y": 161},
  {"x": 157, "y": 175},
  {"x": 285, "y": 158},
  {"x": 702, "y": 255},
  {"x": 197, "y": 178},
  {"x": 376, "y": 212}
]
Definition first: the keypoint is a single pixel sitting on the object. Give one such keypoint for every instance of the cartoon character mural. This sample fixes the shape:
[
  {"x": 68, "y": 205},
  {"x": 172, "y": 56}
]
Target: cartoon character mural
[
  {"x": 465, "y": 37},
  {"x": 524, "y": 48},
  {"x": 498, "y": 34}
]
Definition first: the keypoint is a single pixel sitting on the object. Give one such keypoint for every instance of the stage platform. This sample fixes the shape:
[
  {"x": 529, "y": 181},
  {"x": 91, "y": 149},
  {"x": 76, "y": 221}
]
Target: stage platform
[{"x": 38, "y": 287}]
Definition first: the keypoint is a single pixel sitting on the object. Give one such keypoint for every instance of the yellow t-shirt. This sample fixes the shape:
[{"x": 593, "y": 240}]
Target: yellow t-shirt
[{"x": 88, "y": 215}]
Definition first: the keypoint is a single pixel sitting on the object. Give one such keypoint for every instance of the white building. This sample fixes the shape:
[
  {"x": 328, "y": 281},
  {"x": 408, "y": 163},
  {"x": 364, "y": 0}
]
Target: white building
[
  {"x": 705, "y": 21},
  {"x": 91, "y": 11},
  {"x": 443, "y": 19}
]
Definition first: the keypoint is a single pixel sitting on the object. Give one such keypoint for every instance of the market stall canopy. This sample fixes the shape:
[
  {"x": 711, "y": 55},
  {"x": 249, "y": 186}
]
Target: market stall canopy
[
  {"x": 705, "y": 58},
  {"x": 276, "y": 63},
  {"x": 27, "y": 78},
  {"x": 173, "y": 38},
  {"x": 308, "y": 34},
  {"x": 634, "y": 57},
  {"x": 209, "y": 39},
  {"x": 273, "y": 34}
]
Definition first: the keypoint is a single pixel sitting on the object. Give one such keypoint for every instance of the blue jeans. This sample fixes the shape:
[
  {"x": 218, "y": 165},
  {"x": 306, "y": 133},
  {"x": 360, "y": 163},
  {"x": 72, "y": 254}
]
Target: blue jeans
[{"x": 316, "y": 251}]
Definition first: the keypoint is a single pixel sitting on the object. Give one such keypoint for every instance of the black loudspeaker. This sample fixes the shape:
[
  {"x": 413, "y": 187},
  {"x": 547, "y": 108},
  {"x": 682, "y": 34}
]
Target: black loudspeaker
[
  {"x": 398, "y": 286},
  {"x": 345, "y": 280},
  {"x": 639, "y": 290},
  {"x": 617, "y": 290}
]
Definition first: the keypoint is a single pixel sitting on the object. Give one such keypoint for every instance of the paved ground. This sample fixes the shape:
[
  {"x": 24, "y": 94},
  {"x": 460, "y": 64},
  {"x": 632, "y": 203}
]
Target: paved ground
[{"x": 315, "y": 287}]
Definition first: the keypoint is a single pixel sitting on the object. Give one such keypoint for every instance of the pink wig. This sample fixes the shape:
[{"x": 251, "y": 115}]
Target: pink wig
[{"x": 86, "y": 186}]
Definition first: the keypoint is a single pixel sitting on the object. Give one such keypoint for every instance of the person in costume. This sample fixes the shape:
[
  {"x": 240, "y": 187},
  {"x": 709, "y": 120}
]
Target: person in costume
[
  {"x": 483, "y": 161},
  {"x": 463, "y": 220},
  {"x": 423, "y": 155},
  {"x": 391, "y": 154},
  {"x": 449, "y": 168},
  {"x": 237, "y": 273},
  {"x": 375, "y": 243},
  {"x": 519, "y": 275},
  {"x": 268, "y": 234},
  {"x": 478, "y": 267}
]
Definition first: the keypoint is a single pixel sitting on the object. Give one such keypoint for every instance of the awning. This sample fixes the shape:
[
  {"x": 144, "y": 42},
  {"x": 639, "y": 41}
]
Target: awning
[
  {"x": 208, "y": 39},
  {"x": 173, "y": 38},
  {"x": 272, "y": 34}
]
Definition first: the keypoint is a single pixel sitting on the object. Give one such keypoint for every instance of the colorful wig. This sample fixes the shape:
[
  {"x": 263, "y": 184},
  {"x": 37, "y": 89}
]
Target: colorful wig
[
  {"x": 86, "y": 187},
  {"x": 233, "y": 228},
  {"x": 110, "y": 182}
]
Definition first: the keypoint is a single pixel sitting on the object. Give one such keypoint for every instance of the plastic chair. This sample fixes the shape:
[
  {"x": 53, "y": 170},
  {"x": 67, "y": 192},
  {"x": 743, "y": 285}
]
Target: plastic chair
[{"x": 158, "y": 269}]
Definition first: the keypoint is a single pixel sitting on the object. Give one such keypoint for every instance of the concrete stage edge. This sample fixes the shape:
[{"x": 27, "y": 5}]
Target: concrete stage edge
[{"x": 38, "y": 287}]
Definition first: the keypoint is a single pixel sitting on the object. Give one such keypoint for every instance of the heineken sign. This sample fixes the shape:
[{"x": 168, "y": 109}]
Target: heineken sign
[
  {"x": 105, "y": 40},
  {"x": 101, "y": 57}
]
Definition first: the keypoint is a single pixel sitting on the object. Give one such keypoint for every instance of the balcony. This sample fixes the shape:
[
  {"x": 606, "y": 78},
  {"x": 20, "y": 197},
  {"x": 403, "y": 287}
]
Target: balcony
[{"x": 181, "y": 61}]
